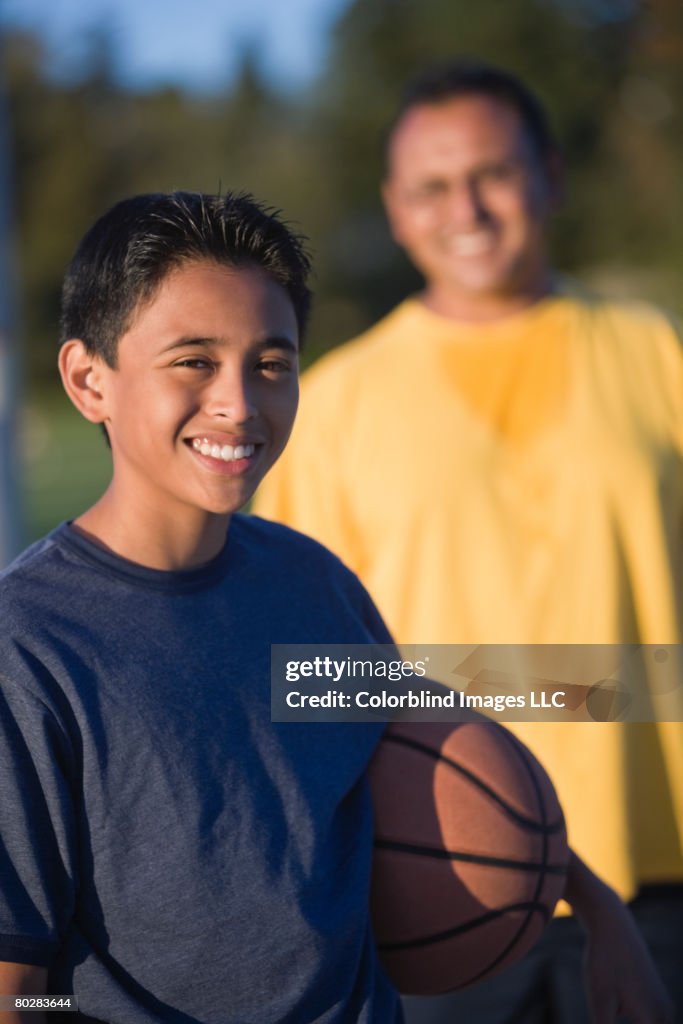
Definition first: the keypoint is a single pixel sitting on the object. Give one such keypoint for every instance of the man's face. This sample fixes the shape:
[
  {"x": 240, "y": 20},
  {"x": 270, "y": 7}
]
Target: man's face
[
  {"x": 204, "y": 394},
  {"x": 468, "y": 199}
]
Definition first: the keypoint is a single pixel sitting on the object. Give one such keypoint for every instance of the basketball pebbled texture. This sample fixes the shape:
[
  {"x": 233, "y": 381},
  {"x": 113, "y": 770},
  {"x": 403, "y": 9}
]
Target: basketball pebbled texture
[{"x": 470, "y": 853}]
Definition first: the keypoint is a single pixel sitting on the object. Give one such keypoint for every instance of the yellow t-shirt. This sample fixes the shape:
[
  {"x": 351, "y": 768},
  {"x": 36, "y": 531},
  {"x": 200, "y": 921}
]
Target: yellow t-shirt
[{"x": 517, "y": 482}]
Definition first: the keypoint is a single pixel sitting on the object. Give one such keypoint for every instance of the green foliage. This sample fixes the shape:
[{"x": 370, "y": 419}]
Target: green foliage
[{"x": 66, "y": 463}]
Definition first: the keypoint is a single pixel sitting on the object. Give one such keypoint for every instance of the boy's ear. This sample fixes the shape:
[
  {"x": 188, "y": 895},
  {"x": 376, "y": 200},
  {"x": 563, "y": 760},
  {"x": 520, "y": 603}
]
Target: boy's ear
[{"x": 83, "y": 376}]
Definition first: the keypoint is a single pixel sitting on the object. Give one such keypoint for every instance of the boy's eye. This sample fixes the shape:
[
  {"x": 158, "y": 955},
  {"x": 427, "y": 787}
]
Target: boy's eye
[
  {"x": 274, "y": 366},
  {"x": 194, "y": 363}
]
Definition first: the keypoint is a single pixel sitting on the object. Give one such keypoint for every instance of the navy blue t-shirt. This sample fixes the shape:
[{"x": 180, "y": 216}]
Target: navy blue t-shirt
[{"x": 166, "y": 851}]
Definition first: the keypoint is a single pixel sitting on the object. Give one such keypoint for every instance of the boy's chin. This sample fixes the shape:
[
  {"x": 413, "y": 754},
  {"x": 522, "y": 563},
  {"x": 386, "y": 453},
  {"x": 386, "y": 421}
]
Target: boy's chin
[
  {"x": 227, "y": 507},
  {"x": 215, "y": 498}
]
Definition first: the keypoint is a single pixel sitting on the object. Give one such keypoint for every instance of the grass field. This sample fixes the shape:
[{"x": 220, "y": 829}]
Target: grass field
[{"x": 66, "y": 463}]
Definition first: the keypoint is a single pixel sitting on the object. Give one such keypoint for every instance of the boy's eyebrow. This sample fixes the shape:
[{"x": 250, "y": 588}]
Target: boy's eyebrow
[{"x": 273, "y": 341}]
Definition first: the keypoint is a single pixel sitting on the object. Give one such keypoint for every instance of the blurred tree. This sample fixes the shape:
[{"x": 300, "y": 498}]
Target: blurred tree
[{"x": 646, "y": 131}]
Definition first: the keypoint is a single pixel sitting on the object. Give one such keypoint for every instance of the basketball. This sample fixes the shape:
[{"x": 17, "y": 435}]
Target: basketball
[{"x": 470, "y": 853}]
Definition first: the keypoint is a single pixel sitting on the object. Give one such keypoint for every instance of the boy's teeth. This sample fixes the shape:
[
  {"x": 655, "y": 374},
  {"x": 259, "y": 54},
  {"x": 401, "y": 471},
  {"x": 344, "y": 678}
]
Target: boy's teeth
[{"x": 227, "y": 453}]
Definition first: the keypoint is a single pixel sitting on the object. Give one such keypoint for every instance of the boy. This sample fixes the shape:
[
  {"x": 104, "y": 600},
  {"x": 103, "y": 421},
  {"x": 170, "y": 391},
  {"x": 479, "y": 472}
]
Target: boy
[{"x": 167, "y": 853}]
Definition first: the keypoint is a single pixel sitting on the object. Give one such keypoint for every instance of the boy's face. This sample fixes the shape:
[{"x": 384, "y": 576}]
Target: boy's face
[{"x": 205, "y": 391}]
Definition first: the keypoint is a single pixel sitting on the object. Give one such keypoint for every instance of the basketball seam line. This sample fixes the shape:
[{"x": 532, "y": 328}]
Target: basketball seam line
[
  {"x": 542, "y": 828},
  {"x": 521, "y": 755},
  {"x": 485, "y": 860},
  {"x": 450, "y": 933}
]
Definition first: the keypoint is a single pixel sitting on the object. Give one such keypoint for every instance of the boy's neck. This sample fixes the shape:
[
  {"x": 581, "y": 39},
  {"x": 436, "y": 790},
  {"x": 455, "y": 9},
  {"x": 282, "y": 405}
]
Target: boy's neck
[{"x": 174, "y": 545}]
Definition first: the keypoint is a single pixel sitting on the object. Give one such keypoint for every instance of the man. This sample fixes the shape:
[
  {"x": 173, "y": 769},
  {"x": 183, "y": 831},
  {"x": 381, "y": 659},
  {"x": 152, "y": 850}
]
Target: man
[{"x": 499, "y": 460}]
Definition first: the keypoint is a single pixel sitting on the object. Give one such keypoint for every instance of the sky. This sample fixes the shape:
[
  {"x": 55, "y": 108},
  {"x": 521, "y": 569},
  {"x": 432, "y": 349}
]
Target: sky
[{"x": 193, "y": 44}]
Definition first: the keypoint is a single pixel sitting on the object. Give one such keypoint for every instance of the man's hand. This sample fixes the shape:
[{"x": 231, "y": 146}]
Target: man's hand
[{"x": 621, "y": 980}]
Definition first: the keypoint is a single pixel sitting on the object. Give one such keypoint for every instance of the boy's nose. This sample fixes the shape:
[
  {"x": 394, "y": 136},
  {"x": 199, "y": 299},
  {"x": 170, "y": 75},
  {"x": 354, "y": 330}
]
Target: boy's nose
[{"x": 230, "y": 398}]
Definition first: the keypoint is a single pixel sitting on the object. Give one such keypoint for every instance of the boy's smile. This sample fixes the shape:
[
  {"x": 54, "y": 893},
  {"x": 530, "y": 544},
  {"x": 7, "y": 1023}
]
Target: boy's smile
[
  {"x": 228, "y": 453},
  {"x": 199, "y": 406}
]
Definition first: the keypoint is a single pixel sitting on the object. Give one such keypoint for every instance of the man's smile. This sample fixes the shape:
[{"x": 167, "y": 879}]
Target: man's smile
[{"x": 471, "y": 243}]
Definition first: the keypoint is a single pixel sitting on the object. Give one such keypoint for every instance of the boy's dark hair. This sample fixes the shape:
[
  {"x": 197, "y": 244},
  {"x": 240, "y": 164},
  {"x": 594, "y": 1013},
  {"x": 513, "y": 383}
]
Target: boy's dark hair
[
  {"x": 467, "y": 77},
  {"x": 127, "y": 253}
]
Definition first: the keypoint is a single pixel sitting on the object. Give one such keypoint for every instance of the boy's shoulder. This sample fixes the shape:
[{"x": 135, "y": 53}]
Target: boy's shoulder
[
  {"x": 310, "y": 576},
  {"x": 36, "y": 554},
  {"x": 277, "y": 545},
  {"x": 276, "y": 539},
  {"x": 34, "y": 569}
]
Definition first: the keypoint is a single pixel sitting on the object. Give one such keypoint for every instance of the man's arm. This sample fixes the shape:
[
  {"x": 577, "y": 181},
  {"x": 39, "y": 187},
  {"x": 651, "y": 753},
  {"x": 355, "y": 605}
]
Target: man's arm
[
  {"x": 621, "y": 979},
  {"x": 22, "y": 980}
]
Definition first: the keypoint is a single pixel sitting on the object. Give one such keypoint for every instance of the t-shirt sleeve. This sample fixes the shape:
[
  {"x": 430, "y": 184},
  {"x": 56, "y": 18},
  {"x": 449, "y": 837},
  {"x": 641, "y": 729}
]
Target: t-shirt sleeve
[{"x": 37, "y": 828}]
